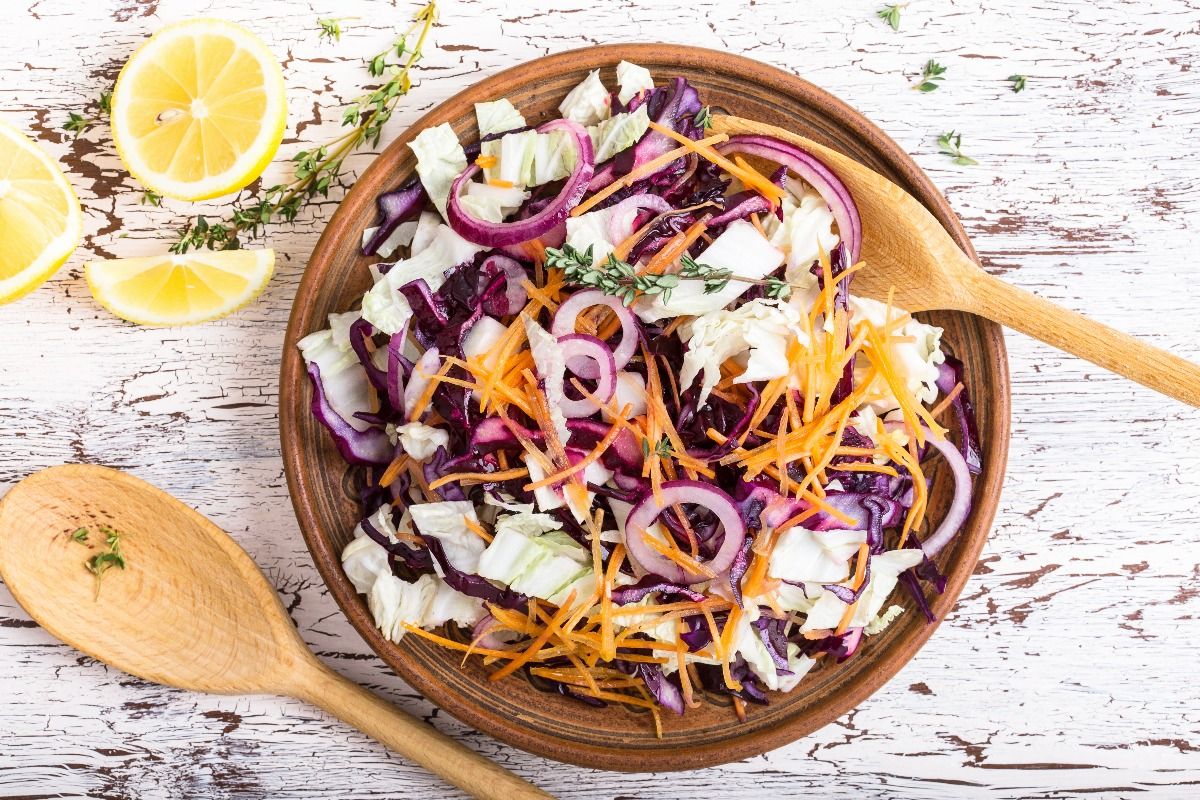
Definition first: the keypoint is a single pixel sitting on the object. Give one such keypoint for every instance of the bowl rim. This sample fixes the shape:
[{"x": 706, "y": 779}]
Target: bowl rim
[{"x": 293, "y": 405}]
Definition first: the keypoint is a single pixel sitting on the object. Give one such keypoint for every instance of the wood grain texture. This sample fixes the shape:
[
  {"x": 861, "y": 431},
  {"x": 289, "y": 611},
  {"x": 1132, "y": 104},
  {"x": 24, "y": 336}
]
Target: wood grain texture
[
  {"x": 517, "y": 710},
  {"x": 1067, "y": 668},
  {"x": 913, "y": 260},
  {"x": 188, "y": 608}
]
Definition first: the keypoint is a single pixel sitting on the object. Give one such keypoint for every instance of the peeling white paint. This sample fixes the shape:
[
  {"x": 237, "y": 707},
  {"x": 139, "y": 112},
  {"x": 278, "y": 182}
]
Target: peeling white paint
[{"x": 1069, "y": 664}]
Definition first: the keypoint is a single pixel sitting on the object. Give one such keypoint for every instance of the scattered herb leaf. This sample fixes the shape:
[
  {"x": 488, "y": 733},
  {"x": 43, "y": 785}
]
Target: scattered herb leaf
[
  {"x": 151, "y": 198},
  {"x": 931, "y": 76},
  {"x": 78, "y": 123},
  {"x": 951, "y": 144},
  {"x": 1018, "y": 82},
  {"x": 111, "y": 556},
  {"x": 316, "y": 170},
  {"x": 891, "y": 14},
  {"x": 331, "y": 28},
  {"x": 620, "y": 279},
  {"x": 703, "y": 118},
  {"x": 79, "y": 535},
  {"x": 662, "y": 449}
]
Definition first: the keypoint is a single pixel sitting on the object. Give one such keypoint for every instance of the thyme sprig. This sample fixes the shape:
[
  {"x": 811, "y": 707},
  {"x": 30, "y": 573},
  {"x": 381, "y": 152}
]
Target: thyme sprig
[
  {"x": 111, "y": 556},
  {"x": 931, "y": 76},
  {"x": 622, "y": 280},
  {"x": 1018, "y": 82},
  {"x": 331, "y": 28},
  {"x": 94, "y": 112},
  {"x": 703, "y": 118},
  {"x": 891, "y": 14},
  {"x": 316, "y": 170},
  {"x": 951, "y": 144}
]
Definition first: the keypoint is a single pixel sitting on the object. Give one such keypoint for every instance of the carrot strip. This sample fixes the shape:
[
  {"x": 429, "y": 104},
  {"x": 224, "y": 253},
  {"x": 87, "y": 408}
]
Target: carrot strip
[
  {"x": 480, "y": 477},
  {"x": 649, "y": 168}
]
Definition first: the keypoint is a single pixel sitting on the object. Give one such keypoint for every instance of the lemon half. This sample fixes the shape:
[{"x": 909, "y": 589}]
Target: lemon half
[
  {"x": 199, "y": 110},
  {"x": 180, "y": 289},
  {"x": 40, "y": 219}
]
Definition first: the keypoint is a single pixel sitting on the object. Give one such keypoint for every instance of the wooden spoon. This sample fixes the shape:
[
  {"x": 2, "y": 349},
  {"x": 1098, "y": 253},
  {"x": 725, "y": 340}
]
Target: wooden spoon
[
  {"x": 191, "y": 610},
  {"x": 905, "y": 247}
]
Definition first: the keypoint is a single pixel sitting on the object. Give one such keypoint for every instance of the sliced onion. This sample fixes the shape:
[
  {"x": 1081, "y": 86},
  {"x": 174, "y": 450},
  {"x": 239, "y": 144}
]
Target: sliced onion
[
  {"x": 644, "y": 514},
  {"x": 584, "y": 353},
  {"x": 500, "y": 234},
  {"x": 812, "y": 171},
  {"x": 567, "y": 314},
  {"x": 960, "y": 506},
  {"x": 622, "y": 215},
  {"x": 740, "y": 206},
  {"x": 423, "y": 372}
]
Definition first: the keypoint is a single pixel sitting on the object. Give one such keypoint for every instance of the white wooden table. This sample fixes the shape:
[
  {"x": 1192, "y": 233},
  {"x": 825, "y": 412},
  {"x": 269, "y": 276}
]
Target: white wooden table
[{"x": 1070, "y": 664}]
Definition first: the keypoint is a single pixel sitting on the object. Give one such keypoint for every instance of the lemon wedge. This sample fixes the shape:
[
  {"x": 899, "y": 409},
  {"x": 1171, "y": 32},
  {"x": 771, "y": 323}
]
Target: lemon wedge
[
  {"x": 40, "y": 219},
  {"x": 199, "y": 110},
  {"x": 180, "y": 289}
]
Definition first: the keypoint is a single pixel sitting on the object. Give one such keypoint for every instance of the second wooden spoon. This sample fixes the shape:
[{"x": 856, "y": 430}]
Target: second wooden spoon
[
  {"x": 907, "y": 249},
  {"x": 191, "y": 610}
]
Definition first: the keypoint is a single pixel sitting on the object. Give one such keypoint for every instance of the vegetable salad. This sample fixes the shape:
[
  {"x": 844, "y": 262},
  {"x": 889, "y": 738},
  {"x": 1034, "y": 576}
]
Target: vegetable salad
[{"x": 624, "y": 428}]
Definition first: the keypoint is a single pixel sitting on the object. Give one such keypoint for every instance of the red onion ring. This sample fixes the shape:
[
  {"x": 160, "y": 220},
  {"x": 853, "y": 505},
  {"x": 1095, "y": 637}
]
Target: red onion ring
[
  {"x": 500, "y": 234},
  {"x": 423, "y": 372},
  {"x": 644, "y": 514},
  {"x": 623, "y": 214},
  {"x": 584, "y": 353},
  {"x": 812, "y": 171},
  {"x": 960, "y": 506},
  {"x": 564, "y": 323}
]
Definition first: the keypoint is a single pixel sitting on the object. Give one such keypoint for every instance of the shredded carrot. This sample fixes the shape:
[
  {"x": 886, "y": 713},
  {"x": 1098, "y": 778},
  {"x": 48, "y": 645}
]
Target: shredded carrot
[
  {"x": 585, "y": 462},
  {"x": 479, "y": 477},
  {"x": 950, "y": 397},
  {"x": 543, "y": 637},
  {"x": 758, "y": 226},
  {"x": 675, "y": 247},
  {"x": 747, "y": 175},
  {"x": 500, "y": 184},
  {"x": 860, "y": 567},
  {"x": 486, "y": 161},
  {"x": 675, "y": 323},
  {"x": 393, "y": 470},
  {"x": 477, "y": 529},
  {"x": 422, "y": 402},
  {"x": 649, "y": 168},
  {"x": 453, "y": 645},
  {"x": 540, "y": 296}
]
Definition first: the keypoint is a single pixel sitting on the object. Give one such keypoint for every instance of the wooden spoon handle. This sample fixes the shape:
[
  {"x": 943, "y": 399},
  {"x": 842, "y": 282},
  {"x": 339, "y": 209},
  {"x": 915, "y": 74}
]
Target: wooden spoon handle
[
  {"x": 1076, "y": 334},
  {"x": 408, "y": 736}
]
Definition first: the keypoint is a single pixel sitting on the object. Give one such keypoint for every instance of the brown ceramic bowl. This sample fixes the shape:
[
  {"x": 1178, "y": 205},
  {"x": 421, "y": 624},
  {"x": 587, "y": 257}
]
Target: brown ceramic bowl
[{"x": 513, "y": 710}]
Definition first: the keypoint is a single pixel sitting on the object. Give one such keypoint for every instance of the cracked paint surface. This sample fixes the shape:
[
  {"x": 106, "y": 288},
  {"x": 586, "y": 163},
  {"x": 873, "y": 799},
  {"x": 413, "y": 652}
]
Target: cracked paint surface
[{"x": 1067, "y": 668}]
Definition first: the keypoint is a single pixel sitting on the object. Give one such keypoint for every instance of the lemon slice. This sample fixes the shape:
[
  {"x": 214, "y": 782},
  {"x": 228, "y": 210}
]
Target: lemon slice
[
  {"x": 40, "y": 219},
  {"x": 199, "y": 110},
  {"x": 180, "y": 290}
]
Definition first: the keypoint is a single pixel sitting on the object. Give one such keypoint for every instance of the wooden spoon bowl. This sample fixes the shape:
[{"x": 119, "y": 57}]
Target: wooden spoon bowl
[{"x": 323, "y": 489}]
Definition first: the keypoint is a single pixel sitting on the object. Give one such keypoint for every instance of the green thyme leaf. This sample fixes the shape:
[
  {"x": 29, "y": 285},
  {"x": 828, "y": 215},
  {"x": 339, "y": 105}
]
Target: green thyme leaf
[
  {"x": 951, "y": 144},
  {"x": 931, "y": 76},
  {"x": 79, "y": 535},
  {"x": 1018, "y": 82},
  {"x": 891, "y": 15},
  {"x": 703, "y": 118}
]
